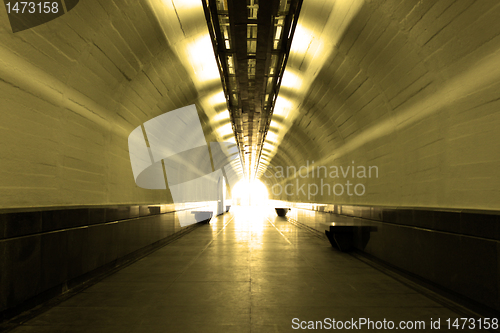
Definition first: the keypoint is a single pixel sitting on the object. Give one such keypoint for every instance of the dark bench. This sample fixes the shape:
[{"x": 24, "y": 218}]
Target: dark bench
[
  {"x": 344, "y": 236},
  {"x": 282, "y": 211}
]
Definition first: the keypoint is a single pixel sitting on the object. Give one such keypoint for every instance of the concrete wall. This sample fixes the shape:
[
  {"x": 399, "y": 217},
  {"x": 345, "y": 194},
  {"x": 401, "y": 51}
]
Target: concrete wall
[
  {"x": 71, "y": 91},
  {"x": 413, "y": 88},
  {"x": 452, "y": 251},
  {"x": 45, "y": 253}
]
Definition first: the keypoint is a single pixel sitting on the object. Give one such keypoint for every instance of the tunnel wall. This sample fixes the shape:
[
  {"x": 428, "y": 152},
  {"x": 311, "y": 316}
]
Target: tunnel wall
[
  {"x": 412, "y": 88},
  {"x": 45, "y": 253},
  {"x": 71, "y": 92},
  {"x": 457, "y": 251}
]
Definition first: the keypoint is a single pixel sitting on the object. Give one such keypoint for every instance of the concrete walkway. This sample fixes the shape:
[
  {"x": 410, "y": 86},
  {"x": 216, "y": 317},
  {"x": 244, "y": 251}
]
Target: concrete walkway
[{"x": 246, "y": 271}]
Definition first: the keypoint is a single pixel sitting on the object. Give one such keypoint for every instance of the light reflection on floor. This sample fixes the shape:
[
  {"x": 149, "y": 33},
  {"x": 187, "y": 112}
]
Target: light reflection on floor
[{"x": 246, "y": 271}]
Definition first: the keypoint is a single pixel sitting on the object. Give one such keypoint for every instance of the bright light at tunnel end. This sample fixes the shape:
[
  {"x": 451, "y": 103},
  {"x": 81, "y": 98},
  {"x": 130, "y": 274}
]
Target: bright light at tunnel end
[{"x": 250, "y": 193}]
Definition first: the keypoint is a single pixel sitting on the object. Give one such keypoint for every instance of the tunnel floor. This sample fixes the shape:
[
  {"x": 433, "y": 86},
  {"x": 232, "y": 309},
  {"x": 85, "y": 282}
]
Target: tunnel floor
[{"x": 246, "y": 271}]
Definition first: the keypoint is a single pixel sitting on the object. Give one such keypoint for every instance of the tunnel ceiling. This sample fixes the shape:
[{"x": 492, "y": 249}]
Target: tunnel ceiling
[
  {"x": 239, "y": 80},
  {"x": 265, "y": 56},
  {"x": 365, "y": 81},
  {"x": 251, "y": 41}
]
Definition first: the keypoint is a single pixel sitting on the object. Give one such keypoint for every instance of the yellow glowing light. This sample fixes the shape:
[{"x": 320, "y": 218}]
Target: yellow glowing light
[
  {"x": 270, "y": 146},
  {"x": 217, "y": 98},
  {"x": 282, "y": 102},
  {"x": 230, "y": 138},
  {"x": 249, "y": 193},
  {"x": 306, "y": 44},
  {"x": 225, "y": 130},
  {"x": 277, "y": 127},
  {"x": 273, "y": 137},
  {"x": 224, "y": 115},
  {"x": 302, "y": 38},
  {"x": 202, "y": 60},
  {"x": 267, "y": 152},
  {"x": 282, "y": 106},
  {"x": 291, "y": 80}
]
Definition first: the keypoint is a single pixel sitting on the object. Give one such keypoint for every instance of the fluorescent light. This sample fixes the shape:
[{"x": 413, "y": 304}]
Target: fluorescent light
[
  {"x": 217, "y": 98},
  {"x": 225, "y": 130},
  {"x": 282, "y": 106},
  {"x": 291, "y": 80},
  {"x": 270, "y": 146},
  {"x": 302, "y": 38},
  {"x": 224, "y": 115},
  {"x": 272, "y": 137},
  {"x": 204, "y": 64}
]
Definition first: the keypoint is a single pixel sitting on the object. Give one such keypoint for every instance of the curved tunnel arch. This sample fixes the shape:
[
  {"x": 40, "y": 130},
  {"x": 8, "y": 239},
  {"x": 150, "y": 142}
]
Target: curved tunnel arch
[{"x": 378, "y": 78}]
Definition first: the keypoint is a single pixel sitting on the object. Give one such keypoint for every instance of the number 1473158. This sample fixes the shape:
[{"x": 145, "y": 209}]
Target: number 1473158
[{"x": 32, "y": 7}]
